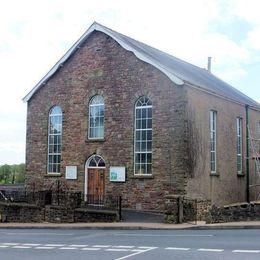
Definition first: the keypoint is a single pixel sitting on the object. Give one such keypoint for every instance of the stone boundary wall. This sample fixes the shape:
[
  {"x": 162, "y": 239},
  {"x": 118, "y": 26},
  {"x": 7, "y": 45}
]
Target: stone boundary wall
[
  {"x": 180, "y": 209},
  {"x": 27, "y": 213},
  {"x": 234, "y": 212}
]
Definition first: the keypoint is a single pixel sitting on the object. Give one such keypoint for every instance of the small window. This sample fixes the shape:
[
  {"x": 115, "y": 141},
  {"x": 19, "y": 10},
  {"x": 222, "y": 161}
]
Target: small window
[
  {"x": 54, "y": 139},
  {"x": 96, "y": 161},
  {"x": 213, "y": 149},
  {"x": 96, "y": 118},
  {"x": 239, "y": 145},
  {"x": 143, "y": 136}
]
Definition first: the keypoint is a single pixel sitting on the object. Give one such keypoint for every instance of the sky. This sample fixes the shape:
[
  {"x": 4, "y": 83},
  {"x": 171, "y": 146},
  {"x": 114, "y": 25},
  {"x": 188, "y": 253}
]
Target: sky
[{"x": 34, "y": 35}]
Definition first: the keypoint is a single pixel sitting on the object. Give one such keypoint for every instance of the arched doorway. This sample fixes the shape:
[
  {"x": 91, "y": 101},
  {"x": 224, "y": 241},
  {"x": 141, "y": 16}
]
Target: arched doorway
[{"x": 95, "y": 180}]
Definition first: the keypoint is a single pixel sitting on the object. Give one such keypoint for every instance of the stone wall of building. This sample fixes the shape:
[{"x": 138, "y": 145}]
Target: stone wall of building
[
  {"x": 227, "y": 185},
  {"x": 101, "y": 66}
]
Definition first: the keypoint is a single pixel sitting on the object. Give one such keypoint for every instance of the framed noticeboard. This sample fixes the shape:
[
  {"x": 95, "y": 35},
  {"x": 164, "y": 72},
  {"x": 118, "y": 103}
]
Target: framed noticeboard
[
  {"x": 71, "y": 172},
  {"x": 117, "y": 174}
]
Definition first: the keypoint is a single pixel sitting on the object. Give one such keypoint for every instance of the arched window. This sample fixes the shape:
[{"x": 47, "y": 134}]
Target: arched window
[
  {"x": 96, "y": 161},
  {"x": 96, "y": 118},
  {"x": 143, "y": 136},
  {"x": 54, "y": 139}
]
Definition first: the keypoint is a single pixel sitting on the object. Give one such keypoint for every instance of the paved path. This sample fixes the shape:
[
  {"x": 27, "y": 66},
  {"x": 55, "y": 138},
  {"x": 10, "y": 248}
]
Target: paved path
[{"x": 135, "y": 225}]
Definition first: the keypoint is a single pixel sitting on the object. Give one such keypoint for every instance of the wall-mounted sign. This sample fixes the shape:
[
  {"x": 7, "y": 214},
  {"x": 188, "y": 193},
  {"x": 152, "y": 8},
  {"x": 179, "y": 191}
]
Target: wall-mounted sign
[
  {"x": 117, "y": 174},
  {"x": 71, "y": 172}
]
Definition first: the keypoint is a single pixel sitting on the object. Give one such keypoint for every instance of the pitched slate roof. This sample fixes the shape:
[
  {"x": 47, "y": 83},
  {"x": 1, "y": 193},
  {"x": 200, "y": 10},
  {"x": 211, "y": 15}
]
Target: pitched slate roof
[{"x": 179, "y": 71}]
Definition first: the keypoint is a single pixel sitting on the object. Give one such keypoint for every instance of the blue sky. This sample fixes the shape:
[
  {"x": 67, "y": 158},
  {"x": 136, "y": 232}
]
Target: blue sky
[{"x": 35, "y": 34}]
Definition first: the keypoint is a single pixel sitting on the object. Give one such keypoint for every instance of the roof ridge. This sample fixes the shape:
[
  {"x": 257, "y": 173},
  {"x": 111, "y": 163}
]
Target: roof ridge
[{"x": 177, "y": 70}]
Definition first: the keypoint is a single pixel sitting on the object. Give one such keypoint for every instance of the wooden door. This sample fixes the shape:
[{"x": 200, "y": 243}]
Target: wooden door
[{"x": 96, "y": 186}]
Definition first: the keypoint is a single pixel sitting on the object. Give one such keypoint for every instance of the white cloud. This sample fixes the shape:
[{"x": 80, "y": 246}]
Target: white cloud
[
  {"x": 35, "y": 34},
  {"x": 253, "y": 38}
]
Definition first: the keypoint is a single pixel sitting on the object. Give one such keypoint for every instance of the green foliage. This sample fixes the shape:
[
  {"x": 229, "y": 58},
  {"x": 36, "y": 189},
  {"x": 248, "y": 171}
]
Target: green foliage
[{"x": 12, "y": 173}]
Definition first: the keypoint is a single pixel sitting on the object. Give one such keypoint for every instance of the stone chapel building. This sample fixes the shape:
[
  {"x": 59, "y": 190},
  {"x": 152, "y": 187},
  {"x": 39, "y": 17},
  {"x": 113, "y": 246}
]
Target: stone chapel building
[{"x": 116, "y": 116}]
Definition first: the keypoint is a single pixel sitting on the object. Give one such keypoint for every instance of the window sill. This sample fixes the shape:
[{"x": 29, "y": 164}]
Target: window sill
[
  {"x": 240, "y": 174},
  {"x": 52, "y": 175},
  {"x": 214, "y": 174},
  {"x": 142, "y": 176},
  {"x": 95, "y": 140}
]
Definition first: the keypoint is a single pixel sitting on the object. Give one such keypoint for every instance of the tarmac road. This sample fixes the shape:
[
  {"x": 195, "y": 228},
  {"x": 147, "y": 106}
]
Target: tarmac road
[{"x": 84, "y": 244}]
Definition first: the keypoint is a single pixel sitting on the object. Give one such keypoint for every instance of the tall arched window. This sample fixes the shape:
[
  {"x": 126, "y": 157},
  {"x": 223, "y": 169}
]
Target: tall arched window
[
  {"x": 143, "y": 136},
  {"x": 54, "y": 139},
  {"x": 96, "y": 118}
]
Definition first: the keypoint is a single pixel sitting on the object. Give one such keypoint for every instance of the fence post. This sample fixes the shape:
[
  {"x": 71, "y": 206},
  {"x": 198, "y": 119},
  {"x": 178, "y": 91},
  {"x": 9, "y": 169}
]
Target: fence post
[{"x": 120, "y": 208}]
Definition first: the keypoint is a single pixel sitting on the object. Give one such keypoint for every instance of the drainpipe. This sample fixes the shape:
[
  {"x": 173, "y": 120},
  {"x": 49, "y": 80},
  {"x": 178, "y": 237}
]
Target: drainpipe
[{"x": 247, "y": 154}]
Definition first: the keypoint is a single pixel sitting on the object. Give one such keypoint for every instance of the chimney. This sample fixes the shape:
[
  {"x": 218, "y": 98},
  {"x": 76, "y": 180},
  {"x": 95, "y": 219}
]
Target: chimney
[{"x": 209, "y": 64}]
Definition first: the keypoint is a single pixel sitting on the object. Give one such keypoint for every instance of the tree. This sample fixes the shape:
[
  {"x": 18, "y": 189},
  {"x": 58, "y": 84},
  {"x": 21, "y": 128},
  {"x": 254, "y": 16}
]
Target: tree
[
  {"x": 19, "y": 173},
  {"x": 5, "y": 174},
  {"x": 12, "y": 173}
]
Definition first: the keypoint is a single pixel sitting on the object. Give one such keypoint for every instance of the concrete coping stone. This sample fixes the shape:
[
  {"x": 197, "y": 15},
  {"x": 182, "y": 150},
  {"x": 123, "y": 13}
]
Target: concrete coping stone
[
  {"x": 104, "y": 211},
  {"x": 19, "y": 205}
]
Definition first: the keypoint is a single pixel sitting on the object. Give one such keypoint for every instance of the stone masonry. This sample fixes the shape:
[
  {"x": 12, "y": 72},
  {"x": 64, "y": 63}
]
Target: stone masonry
[{"x": 102, "y": 66}]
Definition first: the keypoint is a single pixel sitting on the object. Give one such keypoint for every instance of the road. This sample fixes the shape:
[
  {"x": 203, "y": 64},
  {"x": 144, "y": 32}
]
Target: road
[{"x": 42, "y": 244}]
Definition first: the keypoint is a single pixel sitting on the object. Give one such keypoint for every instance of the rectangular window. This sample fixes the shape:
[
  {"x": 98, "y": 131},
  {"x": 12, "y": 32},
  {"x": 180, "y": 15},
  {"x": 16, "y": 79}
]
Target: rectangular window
[
  {"x": 213, "y": 151},
  {"x": 239, "y": 145}
]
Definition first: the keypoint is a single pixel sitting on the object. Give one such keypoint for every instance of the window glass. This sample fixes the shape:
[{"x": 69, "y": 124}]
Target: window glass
[
  {"x": 239, "y": 145},
  {"x": 96, "y": 118},
  {"x": 143, "y": 136},
  {"x": 54, "y": 140},
  {"x": 213, "y": 163}
]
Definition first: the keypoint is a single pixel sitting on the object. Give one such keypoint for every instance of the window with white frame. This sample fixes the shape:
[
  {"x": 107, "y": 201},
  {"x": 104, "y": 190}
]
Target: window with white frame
[
  {"x": 143, "y": 136},
  {"x": 96, "y": 118},
  {"x": 239, "y": 145},
  {"x": 54, "y": 139},
  {"x": 213, "y": 149}
]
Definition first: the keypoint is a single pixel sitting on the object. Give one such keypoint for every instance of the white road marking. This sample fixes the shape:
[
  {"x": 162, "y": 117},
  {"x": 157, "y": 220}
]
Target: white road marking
[
  {"x": 134, "y": 250},
  {"x": 22, "y": 247},
  {"x": 68, "y": 248},
  {"x": 178, "y": 248},
  {"x": 11, "y": 244},
  {"x": 146, "y": 247},
  {"x": 117, "y": 249},
  {"x": 137, "y": 253},
  {"x": 78, "y": 245},
  {"x": 31, "y": 244},
  {"x": 44, "y": 247},
  {"x": 54, "y": 245},
  {"x": 123, "y": 246},
  {"x": 103, "y": 246},
  {"x": 210, "y": 250},
  {"x": 246, "y": 251},
  {"x": 90, "y": 249}
]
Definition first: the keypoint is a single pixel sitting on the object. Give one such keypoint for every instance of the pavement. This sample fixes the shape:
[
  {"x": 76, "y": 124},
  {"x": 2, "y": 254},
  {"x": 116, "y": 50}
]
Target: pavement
[{"x": 200, "y": 225}]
